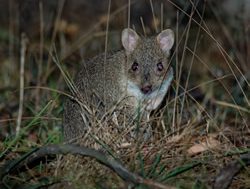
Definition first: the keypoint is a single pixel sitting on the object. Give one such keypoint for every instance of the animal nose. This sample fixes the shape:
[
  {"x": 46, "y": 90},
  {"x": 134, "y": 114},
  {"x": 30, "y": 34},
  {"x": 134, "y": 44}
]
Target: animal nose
[{"x": 146, "y": 89}]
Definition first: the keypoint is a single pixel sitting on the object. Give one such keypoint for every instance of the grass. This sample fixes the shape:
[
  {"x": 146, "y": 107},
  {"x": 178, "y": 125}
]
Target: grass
[{"x": 203, "y": 125}]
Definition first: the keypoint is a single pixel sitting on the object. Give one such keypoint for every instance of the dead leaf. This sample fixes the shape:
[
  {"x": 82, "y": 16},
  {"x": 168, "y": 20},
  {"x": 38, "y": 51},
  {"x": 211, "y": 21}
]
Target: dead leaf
[{"x": 209, "y": 143}]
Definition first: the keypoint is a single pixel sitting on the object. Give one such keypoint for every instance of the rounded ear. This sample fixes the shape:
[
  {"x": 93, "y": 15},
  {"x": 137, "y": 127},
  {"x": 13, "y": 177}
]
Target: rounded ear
[
  {"x": 166, "y": 40},
  {"x": 129, "y": 39}
]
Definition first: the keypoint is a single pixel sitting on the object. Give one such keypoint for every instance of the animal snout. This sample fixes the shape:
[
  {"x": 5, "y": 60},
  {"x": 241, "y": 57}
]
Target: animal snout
[{"x": 146, "y": 89}]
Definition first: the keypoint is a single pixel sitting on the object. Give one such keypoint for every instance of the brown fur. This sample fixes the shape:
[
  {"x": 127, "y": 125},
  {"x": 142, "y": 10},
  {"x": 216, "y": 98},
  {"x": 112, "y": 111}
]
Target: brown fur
[{"x": 102, "y": 84}]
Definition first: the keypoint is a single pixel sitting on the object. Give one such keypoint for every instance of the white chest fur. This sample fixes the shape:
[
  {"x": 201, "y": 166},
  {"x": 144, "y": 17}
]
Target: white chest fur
[{"x": 153, "y": 100}]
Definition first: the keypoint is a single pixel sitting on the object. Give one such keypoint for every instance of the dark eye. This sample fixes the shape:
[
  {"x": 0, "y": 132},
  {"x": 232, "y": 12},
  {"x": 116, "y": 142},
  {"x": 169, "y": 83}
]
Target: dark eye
[
  {"x": 160, "y": 66},
  {"x": 135, "y": 66}
]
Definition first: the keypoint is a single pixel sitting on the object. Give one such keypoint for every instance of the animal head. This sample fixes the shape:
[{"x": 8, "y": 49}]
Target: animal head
[{"x": 148, "y": 70}]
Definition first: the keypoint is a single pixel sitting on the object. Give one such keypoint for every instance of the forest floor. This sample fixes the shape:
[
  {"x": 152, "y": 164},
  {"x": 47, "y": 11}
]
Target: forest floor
[{"x": 202, "y": 127}]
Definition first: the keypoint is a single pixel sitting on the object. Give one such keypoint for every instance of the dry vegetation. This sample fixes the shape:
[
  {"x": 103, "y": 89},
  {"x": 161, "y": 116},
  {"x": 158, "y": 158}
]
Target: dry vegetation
[{"x": 203, "y": 125}]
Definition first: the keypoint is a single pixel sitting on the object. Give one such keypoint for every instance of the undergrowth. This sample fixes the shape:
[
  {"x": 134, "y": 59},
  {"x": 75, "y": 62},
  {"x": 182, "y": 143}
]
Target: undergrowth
[{"x": 202, "y": 125}]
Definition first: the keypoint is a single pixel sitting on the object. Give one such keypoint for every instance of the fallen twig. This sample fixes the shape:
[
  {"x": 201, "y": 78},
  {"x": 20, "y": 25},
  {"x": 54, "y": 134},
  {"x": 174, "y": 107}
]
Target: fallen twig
[
  {"x": 225, "y": 177},
  {"x": 108, "y": 161}
]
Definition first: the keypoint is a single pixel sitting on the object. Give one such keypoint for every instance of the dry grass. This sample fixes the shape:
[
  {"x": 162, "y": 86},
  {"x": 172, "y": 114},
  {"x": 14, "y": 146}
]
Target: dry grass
[{"x": 203, "y": 125}]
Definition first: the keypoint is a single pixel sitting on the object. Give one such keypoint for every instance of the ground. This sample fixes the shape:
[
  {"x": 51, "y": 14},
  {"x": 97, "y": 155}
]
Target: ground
[{"x": 202, "y": 126}]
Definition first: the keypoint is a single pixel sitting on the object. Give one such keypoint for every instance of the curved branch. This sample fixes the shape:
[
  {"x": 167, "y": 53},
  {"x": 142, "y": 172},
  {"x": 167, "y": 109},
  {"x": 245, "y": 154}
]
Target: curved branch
[
  {"x": 108, "y": 161},
  {"x": 225, "y": 177}
]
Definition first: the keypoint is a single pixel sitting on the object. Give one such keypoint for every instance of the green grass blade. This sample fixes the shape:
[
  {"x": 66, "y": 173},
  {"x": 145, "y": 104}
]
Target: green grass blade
[
  {"x": 24, "y": 129},
  {"x": 179, "y": 170},
  {"x": 152, "y": 172}
]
